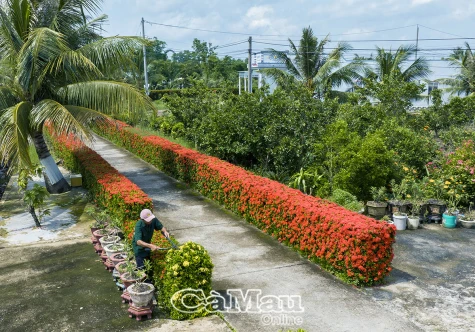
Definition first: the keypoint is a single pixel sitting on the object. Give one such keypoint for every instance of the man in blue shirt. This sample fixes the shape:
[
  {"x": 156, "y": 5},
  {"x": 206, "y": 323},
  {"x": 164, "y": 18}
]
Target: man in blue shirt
[{"x": 144, "y": 229}]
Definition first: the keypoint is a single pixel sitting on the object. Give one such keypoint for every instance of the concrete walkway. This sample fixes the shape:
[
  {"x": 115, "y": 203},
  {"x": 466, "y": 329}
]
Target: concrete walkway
[{"x": 247, "y": 259}]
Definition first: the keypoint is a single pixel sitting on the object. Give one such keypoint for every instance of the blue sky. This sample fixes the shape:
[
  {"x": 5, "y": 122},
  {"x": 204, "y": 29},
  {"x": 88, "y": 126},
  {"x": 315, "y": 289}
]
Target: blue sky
[{"x": 355, "y": 21}]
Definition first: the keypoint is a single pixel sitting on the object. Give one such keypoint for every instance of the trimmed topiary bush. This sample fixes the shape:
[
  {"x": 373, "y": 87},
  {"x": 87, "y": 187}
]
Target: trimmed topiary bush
[{"x": 189, "y": 267}]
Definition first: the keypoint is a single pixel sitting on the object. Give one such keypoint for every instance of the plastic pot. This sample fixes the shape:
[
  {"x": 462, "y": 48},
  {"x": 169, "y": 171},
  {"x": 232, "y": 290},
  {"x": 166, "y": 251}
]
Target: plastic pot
[
  {"x": 400, "y": 221},
  {"x": 449, "y": 221}
]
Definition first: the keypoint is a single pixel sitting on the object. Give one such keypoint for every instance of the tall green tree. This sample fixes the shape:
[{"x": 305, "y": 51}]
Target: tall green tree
[
  {"x": 397, "y": 64},
  {"x": 392, "y": 79},
  {"x": 317, "y": 67},
  {"x": 463, "y": 59},
  {"x": 54, "y": 70}
]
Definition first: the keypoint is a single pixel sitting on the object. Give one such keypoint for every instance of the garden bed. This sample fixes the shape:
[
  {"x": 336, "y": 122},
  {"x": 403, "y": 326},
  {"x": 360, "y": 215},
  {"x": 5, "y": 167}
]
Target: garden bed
[{"x": 352, "y": 246}]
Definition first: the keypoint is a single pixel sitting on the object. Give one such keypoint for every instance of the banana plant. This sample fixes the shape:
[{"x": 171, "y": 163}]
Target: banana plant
[{"x": 306, "y": 181}]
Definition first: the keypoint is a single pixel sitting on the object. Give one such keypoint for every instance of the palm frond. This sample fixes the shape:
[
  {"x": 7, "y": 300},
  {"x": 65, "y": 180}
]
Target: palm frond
[
  {"x": 14, "y": 133},
  {"x": 10, "y": 41},
  {"x": 417, "y": 70},
  {"x": 279, "y": 76},
  {"x": 86, "y": 33},
  {"x": 284, "y": 58},
  {"x": 106, "y": 97},
  {"x": 59, "y": 116},
  {"x": 21, "y": 14},
  {"x": 87, "y": 116},
  {"x": 111, "y": 53},
  {"x": 8, "y": 97},
  {"x": 42, "y": 46},
  {"x": 73, "y": 65},
  {"x": 67, "y": 15}
]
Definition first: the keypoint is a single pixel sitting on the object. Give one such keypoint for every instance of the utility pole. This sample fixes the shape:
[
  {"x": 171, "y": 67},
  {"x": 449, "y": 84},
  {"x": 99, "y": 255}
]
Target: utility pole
[
  {"x": 147, "y": 92},
  {"x": 417, "y": 40},
  {"x": 249, "y": 72}
]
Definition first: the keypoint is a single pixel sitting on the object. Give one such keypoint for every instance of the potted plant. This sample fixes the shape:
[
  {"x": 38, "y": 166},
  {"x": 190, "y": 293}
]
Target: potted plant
[
  {"x": 141, "y": 293},
  {"x": 415, "y": 196},
  {"x": 400, "y": 220},
  {"x": 113, "y": 248},
  {"x": 414, "y": 218},
  {"x": 398, "y": 204},
  {"x": 433, "y": 190},
  {"x": 132, "y": 275},
  {"x": 100, "y": 218},
  {"x": 108, "y": 239},
  {"x": 387, "y": 219},
  {"x": 118, "y": 257},
  {"x": 99, "y": 233},
  {"x": 377, "y": 207},
  {"x": 125, "y": 266},
  {"x": 454, "y": 195},
  {"x": 468, "y": 219}
]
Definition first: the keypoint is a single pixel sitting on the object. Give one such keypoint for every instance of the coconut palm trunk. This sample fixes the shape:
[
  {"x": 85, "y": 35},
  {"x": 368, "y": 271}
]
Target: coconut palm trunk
[{"x": 54, "y": 179}]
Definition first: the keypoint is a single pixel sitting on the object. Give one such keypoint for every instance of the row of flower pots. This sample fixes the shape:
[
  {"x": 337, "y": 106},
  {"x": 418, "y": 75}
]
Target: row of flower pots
[
  {"x": 129, "y": 279},
  {"x": 403, "y": 216}
]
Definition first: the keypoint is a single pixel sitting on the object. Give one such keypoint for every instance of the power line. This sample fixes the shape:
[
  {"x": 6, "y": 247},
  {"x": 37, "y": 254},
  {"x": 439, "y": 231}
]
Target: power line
[
  {"x": 382, "y": 40},
  {"x": 231, "y": 44},
  {"x": 366, "y": 49},
  {"x": 214, "y": 31},
  {"x": 447, "y": 33},
  {"x": 267, "y": 35}
]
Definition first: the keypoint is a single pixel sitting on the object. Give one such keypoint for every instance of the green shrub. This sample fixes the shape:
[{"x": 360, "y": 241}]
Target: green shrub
[
  {"x": 178, "y": 130},
  {"x": 189, "y": 267},
  {"x": 346, "y": 199},
  {"x": 166, "y": 127},
  {"x": 158, "y": 94}
]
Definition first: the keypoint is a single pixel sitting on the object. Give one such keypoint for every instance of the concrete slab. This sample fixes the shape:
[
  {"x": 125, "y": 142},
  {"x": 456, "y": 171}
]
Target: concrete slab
[
  {"x": 18, "y": 225},
  {"x": 247, "y": 259},
  {"x": 52, "y": 280},
  {"x": 433, "y": 282}
]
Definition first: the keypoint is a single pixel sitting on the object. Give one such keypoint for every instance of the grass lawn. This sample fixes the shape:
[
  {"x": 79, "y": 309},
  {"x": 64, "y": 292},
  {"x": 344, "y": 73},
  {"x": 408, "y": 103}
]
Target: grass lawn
[
  {"x": 142, "y": 131},
  {"x": 160, "y": 105}
]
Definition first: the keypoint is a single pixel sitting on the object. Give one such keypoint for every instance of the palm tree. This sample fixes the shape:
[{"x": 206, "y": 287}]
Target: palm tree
[
  {"x": 315, "y": 67},
  {"x": 53, "y": 70},
  {"x": 464, "y": 60},
  {"x": 398, "y": 64}
]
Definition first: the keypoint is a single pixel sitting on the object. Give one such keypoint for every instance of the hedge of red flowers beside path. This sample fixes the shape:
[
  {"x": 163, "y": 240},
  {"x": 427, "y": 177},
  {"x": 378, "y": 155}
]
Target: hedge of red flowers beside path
[
  {"x": 111, "y": 190},
  {"x": 356, "y": 248}
]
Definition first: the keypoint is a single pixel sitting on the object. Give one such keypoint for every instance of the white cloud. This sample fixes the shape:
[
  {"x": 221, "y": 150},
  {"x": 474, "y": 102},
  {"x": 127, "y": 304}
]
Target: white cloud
[
  {"x": 420, "y": 2},
  {"x": 464, "y": 12},
  {"x": 259, "y": 16}
]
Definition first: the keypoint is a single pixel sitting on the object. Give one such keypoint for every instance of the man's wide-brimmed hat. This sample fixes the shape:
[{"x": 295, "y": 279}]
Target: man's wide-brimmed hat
[{"x": 146, "y": 215}]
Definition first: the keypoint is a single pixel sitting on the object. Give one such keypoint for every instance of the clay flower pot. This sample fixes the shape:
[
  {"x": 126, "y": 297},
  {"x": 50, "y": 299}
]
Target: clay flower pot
[
  {"x": 103, "y": 257},
  {"x": 121, "y": 267},
  {"x": 128, "y": 280},
  {"x": 141, "y": 294},
  {"x": 99, "y": 233},
  {"x": 118, "y": 257}
]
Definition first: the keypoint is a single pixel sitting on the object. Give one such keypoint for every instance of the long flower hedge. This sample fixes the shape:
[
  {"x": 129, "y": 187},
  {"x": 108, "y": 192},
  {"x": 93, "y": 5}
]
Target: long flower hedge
[
  {"x": 356, "y": 248},
  {"x": 111, "y": 190}
]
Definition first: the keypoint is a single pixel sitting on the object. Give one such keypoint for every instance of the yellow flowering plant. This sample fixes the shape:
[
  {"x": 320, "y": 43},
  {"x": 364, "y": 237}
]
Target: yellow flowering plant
[
  {"x": 454, "y": 194},
  {"x": 188, "y": 267}
]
